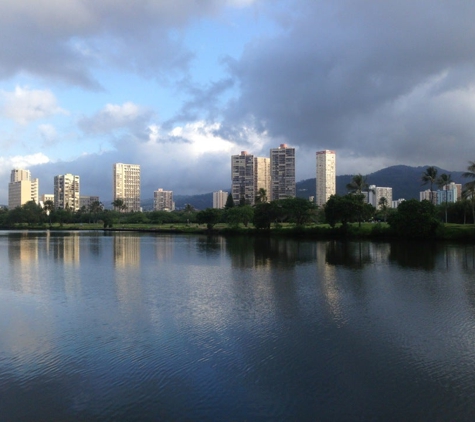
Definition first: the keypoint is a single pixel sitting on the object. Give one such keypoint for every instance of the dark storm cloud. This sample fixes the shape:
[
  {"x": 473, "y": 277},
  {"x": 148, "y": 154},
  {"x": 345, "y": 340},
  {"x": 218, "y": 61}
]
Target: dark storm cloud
[{"x": 376, "y": 79}]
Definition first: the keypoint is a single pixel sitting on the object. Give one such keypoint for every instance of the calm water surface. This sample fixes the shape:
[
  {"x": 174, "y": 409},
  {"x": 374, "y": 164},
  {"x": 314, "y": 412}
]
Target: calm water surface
[{"x": 126, "y": 327}]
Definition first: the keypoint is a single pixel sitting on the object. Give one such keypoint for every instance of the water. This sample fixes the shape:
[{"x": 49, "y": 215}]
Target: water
[{"x": 126, "y": 327}]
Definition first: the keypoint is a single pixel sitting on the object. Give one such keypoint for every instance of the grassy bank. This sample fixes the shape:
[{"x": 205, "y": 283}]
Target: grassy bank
[{"x": 456, "y": 232}]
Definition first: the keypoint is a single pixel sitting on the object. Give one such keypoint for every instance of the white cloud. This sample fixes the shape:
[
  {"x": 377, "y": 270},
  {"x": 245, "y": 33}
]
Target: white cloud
[
  {"x": 48, "y": 133},
  {"x": 25, "y": 105},
  {"x": 115, "y": 116}
]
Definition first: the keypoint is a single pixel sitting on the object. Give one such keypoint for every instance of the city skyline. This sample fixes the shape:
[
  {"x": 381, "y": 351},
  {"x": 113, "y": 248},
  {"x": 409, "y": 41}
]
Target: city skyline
[{"x": 180, "y": 87}]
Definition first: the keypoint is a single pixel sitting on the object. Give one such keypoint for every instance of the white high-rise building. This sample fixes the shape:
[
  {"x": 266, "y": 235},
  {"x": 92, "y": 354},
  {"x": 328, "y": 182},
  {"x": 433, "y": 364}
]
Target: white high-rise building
[
  {"x": 163, "y": 200},
  {"x": 282, "y": 169},
  {"x": 242, "y": 177},
  {"x": 66, "y": 192},
  {"x": 262, "y": 178},
  {"x": 375, "y": 193},
  {"x": 219, "y": 199},
  {"x": 126, "y": 185},
  {"x": 326, "y": 176},
  {"x": 22, "y": 188}
]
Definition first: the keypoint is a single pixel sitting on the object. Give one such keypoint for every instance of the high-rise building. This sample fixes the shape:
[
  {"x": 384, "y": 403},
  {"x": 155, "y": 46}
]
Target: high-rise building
[
  {"x": 126, "y": 185},
  {"x": 22, "y": 188},
  {"x": 219, "y": 199},
  {"x": 86, "y": 201},
  {"x": 242, "y": 177},
  {"x": 326, "y": 176},
  {"x": 262, "y": 178},
  {"x": 375, "y": 193},
  {"x": 66, "y": 192},
  {"x": 163, "y": 200},
  {"x": 282, "y": 169}
]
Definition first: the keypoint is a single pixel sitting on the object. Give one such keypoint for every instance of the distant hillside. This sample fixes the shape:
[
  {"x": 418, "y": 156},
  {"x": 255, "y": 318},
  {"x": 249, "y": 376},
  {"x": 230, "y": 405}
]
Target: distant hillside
[{"x": 405, "y": 181}]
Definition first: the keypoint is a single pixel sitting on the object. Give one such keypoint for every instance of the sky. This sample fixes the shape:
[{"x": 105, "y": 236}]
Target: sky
[{"x": 180, "y": 86}]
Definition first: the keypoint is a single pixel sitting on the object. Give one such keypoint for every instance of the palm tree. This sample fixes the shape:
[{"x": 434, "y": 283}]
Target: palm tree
[
  {"x": 358, "y": 184},
  {"x": 119, "y": 205},
  {"x": 261, "y": 196},
  {"x": 48, "y": 206},
  {"x": 383, "y": 206},
  {"x": 468, "y": 193},
  {"x": 430, "y": 176},
  {"x": 470, "y": 174},
  {"x": 443, "y": 181}
]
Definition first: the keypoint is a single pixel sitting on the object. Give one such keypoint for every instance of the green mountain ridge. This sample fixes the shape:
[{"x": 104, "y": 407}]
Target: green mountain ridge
[{"x": 405, "y": 181}]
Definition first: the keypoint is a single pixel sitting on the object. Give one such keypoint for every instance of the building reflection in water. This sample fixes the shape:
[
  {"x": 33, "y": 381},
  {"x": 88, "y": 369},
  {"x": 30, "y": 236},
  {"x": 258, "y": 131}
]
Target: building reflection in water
[
  {"x": 164, "y": 248},
  {"x": 126, "y": 253},
  {"x": 23, "y": 257}
]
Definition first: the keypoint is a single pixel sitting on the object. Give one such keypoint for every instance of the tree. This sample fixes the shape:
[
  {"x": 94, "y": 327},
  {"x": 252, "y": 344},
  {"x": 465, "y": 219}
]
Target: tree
[
  {"x": 119, "y": 205},
  {"x": 209, "y": 216},
  {"x": 229, "y": 202},
  {"x": 298, "y": 210},
  {"x": 468, "y": 194},
  {"x": 470, "y": 174},
  {"x": 414, "y": 219},
  {"x": 261, "y": 196},
  {"x": 383, "y": 206},
  {"x": 189, "y": 208},
  {"x": 95, "y": 208},
  {"x": 430, "y": 176},
  {"x": 358, "y": 184},
  {"x": 48, "y": 207},
  {"x": 443, "y": 181},
  {"x": 265, "y": 214},
  {"x": 240, "y": 215},
  {"x": 347, "y": 209}
]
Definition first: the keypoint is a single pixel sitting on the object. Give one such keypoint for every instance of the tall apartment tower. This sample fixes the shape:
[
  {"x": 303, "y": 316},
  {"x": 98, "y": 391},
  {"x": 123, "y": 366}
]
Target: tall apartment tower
[
  {"x": 262, "y": 179},
  {"x": 282, "y": 169},
  {"x": 66, "y": 192},
  {"x": 22, "y": 188},
  {"x": 219, "y": 199},
  {"x": 242, "y": 176},
  {"x": 163, "y": 200},
  {"x": 126, "y": 185},
  {"x": 326, "y": 176}
]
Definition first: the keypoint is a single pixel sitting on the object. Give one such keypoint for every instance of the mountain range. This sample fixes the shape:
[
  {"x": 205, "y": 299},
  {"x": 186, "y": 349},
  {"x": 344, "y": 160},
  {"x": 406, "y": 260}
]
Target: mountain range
[{"x": 405, "y": 181}]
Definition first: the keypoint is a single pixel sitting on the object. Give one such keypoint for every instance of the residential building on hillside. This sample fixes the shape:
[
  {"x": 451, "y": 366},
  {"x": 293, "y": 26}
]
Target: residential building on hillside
[
  {"x": 66, "y": 192},
  {"x": 163, "y": 200},
  {"x": 262, "y": 176},
  {"x": 375, "y": 193},
  {"x": 126, "y": 185},
  {"x": 219, "y": 199},
  {"x": 22, "y": 188},
  {"x": 282, "y": 169},
  {"x": 86, "y": 201},
  {"x": 242, "y": 178},
  {"x": 326, "y": 176}
]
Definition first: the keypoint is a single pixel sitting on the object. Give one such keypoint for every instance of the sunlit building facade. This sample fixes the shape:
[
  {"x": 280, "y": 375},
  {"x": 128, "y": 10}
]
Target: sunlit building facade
[
  {"x": 22, "y": 188},
  {"x": 126, "y": 185},
  {"x": 66, "y": 192},
  {"x": 219, "y": 199},
  {"x": 262, "y": 176},
  {"x": 325, "y": 176}
]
